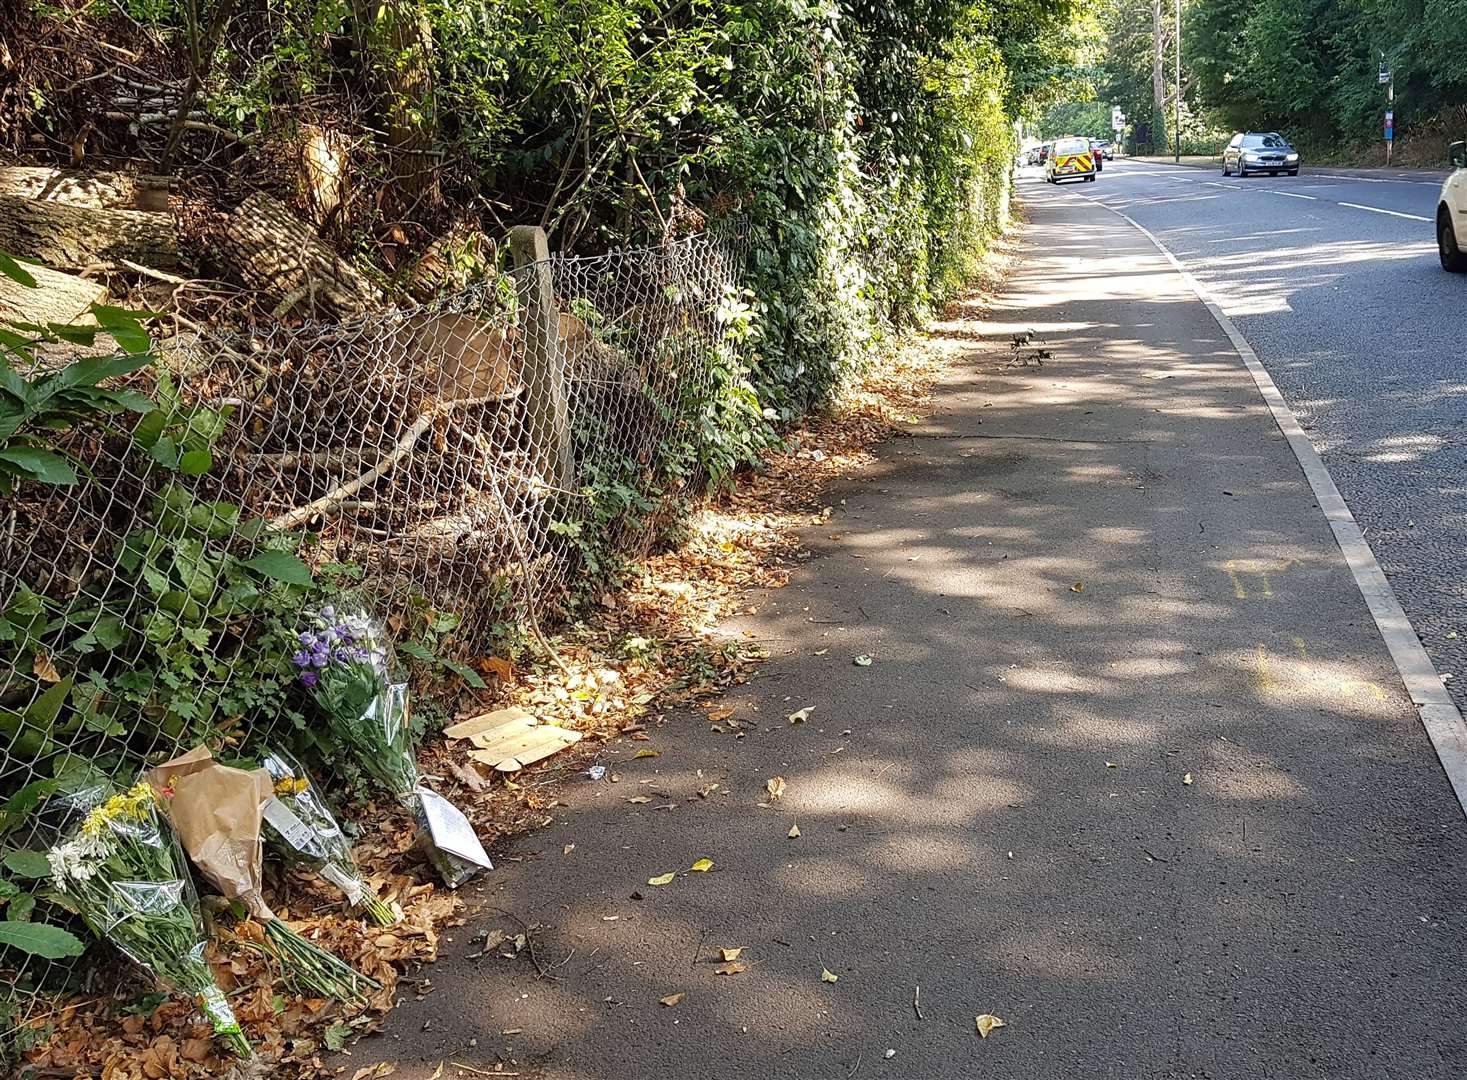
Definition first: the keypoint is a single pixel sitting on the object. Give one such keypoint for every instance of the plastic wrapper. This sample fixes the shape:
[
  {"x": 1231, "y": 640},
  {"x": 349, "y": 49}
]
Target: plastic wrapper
[
  {"x": 303, "y": 828},
  {"x": 218, "y": 812},
  {"x": 345, "y": 660},
  {"x": 125, "y": 873}
]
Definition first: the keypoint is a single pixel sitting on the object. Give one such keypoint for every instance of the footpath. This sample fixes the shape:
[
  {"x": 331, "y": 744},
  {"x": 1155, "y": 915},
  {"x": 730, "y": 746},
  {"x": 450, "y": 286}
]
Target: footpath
[{"x": 1129, "y": 766}]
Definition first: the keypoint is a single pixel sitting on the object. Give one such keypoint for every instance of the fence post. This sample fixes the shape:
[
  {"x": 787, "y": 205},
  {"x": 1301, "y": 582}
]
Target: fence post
[{"x": 545, "y": 404}]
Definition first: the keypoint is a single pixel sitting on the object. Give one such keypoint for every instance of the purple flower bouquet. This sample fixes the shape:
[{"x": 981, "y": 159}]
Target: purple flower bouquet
[{"x": 345, "y": 659}]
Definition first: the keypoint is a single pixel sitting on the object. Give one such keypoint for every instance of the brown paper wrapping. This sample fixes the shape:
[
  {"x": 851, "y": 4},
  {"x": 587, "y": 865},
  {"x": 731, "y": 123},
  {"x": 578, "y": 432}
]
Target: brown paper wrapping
[{"x": 217, "y": 812}]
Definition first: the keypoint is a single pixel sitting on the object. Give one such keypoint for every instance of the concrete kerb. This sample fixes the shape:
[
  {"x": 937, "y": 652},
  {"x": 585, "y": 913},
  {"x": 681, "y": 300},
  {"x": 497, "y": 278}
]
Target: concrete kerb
[{"x": 1439, "y": 715}]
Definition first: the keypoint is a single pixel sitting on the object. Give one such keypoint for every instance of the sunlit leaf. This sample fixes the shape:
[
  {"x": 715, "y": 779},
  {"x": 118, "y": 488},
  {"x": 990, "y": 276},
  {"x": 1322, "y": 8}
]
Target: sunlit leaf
[
  {"x": 826, "y": 975},
  {"x": 987, "y": 1022},
  {"x": 702, "y": 866},
  {"x": 671, "y": 1000},
  {"x": 662, "y": 879}
]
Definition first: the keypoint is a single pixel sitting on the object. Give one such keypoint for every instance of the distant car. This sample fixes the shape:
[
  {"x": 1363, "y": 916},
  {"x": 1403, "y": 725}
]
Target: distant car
[
  {"x": 1033, "y": 155},
  {"x": 1045, "y": 149},
  {"x": 1260, "y": 151},
  {"x": 1107, "y": 150},
  {"x": 1072, "y": 159},
  {"x": 1451, "y": 213},
  {"x": 1097, "y": 150}
]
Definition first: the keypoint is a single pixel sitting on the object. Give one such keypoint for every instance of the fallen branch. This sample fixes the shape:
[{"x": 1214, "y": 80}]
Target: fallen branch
[{"x": 293, "y": 519}]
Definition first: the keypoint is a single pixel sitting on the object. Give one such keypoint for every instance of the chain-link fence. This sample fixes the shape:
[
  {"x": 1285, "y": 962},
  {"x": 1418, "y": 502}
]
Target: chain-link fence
[{"x": 467, "y": 466}]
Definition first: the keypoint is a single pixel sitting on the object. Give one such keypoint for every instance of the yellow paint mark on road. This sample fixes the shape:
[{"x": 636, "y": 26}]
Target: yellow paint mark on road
[
  {"x": 1265, "y": 677},
  {"x": 1238, "y": 589},
  {"x": 1355, "y": 686},
  {"x": 1267, "y": 586},
  {"x": 1301, "y": 648}
]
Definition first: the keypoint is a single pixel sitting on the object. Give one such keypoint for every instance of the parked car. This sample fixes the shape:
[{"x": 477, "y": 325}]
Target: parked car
[
  {"x": 1451, "y": 213},
  {"x": 1260, "y": 151},
  {"x": 1107, "y": 149},
  {"x": 1071, "y": 159},
  {"x": 1097, "y": 152}
]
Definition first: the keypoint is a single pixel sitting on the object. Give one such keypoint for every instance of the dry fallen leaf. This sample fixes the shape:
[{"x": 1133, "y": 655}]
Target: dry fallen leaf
[
  {"x": 1110, "y": 764},
  {"x": 662, "y": 879},
  {"x": 730, "y": 955},
  {"x": 640, "y": 799},
  {"x": 702, "y": 866},
  {"x": 862, "y": 661},
  {"x": 647, "y": 753},
  {"x": 799, "y": 716},
  {"x": 569, "y": 848},
  {"x": 1078, "y": 586},
  {"x": 987, "y": 1022},
  {"x": 732, "y": 969},
  {"x": 1187, "y": 779},
  {"x": 719, "y": 715},
  {"x": 671, "y": 1000},
  {"x": 45, "y": 669},
  {"x": 794, "y": 832},
  {"x": 826, "y": 975},
  {"x": 775, "y": 786}
]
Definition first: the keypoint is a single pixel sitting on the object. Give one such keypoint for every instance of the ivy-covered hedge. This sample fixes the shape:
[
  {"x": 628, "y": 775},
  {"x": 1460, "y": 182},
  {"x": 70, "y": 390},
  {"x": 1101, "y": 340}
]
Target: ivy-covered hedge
[{"x": 860, "y": 145}]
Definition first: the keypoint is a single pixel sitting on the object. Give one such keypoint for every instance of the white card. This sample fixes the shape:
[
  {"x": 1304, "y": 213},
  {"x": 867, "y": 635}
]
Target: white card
[
  {"x": 451, "y": 831},
  {"x": 295, "y": 832}
]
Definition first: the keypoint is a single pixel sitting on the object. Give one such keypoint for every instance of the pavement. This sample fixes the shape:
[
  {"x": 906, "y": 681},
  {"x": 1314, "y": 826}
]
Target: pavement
[
  {"x": 1130, "y": 767},
  {"x": 1333, "y": 278}
]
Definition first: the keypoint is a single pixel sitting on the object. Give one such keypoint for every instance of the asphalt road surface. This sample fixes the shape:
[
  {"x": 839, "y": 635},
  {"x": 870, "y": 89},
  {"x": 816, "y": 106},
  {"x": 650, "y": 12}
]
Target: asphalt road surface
[
  {"x": 1130, "y": 766},
  {"x": 1332, "y": 276}
]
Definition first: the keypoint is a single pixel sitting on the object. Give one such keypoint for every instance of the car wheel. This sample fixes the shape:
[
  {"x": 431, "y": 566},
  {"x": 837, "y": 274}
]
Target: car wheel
[
  {"x": 1446, "y": 244},
  {"x": 1226, "y": 171},
  {"x": 1242, "y": 171},
  {"x": 1091, "y": 178}
]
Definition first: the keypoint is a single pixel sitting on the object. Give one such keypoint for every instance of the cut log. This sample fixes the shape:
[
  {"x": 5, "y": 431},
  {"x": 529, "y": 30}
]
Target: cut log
[
  {"x": 278, "y": 254},
  {"x": 96, "y": 191},
  {"x": 58, "y": 297},
  {"x": 72, "y": 237}
]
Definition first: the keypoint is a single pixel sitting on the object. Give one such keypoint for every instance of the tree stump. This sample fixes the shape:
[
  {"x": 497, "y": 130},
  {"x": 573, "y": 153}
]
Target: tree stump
[{"x": 280, "y": 256}]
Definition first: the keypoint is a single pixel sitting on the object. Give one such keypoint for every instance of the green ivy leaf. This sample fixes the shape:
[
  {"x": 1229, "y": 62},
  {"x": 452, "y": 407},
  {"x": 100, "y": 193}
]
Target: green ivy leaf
[
  {"x": 15, "y": 272},
  {"x": 27, "y": 865},
  {"x": 44, "y": 466},
  {"x": 39, "y": 939},
  {"x": 335, "y": 1037},
  {"x": 280, "y": 566}
]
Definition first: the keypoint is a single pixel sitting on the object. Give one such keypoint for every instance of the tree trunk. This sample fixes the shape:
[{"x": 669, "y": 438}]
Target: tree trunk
[
  {"x": 95, "y": 191},
  {"x": 72, "y": 237},
  {"x": 399, "y": 47},
  {"x": 278, "y": 254},
  {"x": 57, "y": 297}
]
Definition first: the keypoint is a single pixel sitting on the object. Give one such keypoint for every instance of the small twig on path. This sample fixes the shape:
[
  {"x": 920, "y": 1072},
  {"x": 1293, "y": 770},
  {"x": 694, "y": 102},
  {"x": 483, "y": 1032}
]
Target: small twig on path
[
  {"x": 529, "y": 939},
  {"x": 1157, "y": 858},
  {"x": 856, "y": 1066},
  {"x": 479, "y": 1072},
  {"x": 917, "y": 1003},
  {"x": 698, "y": 950}
]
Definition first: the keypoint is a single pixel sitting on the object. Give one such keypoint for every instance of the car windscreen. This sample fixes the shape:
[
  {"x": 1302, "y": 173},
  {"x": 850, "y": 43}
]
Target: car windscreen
[
  {"x": 1072, "y": 146},
  {"x": 1270, "y": 142}
]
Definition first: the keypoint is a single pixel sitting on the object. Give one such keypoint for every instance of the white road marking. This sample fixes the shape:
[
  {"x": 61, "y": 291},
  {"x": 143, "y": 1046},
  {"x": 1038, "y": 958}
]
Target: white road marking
[
  {"x": 1292, "y": 194},
  {"x": 1378, "y": 210},
  {"x": 1439, "y": 715},
  {"x": 1214, "y": 183},
  {"x": 1376, "y": 179}
]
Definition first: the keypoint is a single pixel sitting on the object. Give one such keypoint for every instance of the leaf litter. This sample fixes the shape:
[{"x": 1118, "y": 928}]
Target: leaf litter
[{"x": 641, "y": 650}]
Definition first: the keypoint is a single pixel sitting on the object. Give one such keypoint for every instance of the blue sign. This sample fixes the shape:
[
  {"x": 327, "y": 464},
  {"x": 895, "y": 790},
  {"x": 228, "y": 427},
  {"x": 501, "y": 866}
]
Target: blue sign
[{"x": 1390, "y": 124}]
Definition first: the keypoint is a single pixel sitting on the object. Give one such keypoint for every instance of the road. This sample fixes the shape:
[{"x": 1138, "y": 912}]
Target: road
[
  {"x": 1129, "y": 765},
  {"x": 1332, "y": 276}
]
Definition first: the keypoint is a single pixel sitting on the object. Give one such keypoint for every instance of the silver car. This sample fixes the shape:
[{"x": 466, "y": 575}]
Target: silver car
[{"x": 1260, "y": 151}]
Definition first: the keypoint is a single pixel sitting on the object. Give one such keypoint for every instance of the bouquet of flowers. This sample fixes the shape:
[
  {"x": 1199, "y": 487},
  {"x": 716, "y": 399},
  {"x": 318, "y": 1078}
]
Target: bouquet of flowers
[
  {"x": 124, "y": 873},
  {"x": 346, "y": 663},
  {"x": 307, "y": 832},
  {"x": 218, "y": 813}
]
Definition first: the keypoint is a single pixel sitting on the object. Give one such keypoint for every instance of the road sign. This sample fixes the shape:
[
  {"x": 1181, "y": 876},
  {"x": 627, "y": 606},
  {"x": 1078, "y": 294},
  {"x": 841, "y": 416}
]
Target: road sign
[
  {"x": 1389, "y": 124},
  {"x": 1385, "y": 76}
]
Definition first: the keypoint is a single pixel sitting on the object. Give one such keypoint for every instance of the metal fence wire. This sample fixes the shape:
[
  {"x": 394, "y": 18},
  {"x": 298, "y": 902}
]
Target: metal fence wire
[{"x": 475, "y": 459}]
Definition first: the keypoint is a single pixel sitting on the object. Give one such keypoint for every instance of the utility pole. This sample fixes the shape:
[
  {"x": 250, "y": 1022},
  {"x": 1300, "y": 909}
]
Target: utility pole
[{"x": 1177, "y": 103}]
